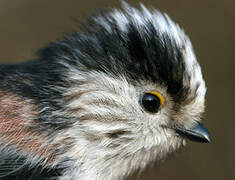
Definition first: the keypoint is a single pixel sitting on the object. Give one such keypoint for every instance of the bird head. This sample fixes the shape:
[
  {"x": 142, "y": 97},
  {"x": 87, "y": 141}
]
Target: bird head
[{"x": 135, "y": 93}]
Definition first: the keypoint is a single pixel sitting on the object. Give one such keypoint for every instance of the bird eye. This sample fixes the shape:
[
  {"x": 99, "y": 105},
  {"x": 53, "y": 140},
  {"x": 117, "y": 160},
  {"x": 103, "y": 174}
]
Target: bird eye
[{"x": 152, "y": 101}]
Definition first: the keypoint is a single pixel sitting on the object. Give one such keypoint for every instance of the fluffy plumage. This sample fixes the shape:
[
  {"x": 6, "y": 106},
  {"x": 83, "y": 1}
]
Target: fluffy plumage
[{"x": 84, "y": 118}]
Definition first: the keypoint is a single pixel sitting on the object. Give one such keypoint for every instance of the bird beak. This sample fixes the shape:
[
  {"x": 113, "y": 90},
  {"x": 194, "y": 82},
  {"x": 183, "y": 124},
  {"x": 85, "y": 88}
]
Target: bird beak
[{"x": 198, "y": 133}]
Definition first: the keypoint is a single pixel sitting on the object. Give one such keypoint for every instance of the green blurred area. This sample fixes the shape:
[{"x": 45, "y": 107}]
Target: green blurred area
[{"x": 27, "y": 25}]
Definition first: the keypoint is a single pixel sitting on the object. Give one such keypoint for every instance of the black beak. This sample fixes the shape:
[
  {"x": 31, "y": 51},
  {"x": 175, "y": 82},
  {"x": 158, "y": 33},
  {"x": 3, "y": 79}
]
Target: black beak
[{"x": 198, "y": 133}]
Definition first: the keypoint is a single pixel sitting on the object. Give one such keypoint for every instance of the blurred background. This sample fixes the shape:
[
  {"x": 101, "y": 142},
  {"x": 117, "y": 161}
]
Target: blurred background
[{"x": 27, "y": 25}]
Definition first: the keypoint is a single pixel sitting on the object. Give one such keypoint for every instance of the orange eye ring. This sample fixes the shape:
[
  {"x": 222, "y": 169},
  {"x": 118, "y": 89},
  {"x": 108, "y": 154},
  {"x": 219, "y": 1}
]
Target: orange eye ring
[
  {"x": 161, "y": 98},
  {"x": 152, "y": 101}
]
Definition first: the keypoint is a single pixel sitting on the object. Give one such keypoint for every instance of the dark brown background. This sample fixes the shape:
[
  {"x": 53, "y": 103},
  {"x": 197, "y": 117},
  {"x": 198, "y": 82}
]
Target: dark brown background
[{"x": 27, "y": 25}]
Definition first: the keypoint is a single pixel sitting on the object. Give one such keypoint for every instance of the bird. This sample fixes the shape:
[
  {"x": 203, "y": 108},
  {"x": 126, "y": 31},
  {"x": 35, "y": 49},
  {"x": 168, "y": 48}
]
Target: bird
[{"x": 122, "y": 92}]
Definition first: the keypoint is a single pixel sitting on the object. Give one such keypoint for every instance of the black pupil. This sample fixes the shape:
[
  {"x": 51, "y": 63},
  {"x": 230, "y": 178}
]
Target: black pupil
[{"x": 151, "y": 102}]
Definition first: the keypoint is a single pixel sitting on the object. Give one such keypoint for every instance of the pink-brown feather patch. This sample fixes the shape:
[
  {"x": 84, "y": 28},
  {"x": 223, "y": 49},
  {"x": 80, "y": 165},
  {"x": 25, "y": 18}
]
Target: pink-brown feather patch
[{"x": 17, "y": 127}]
